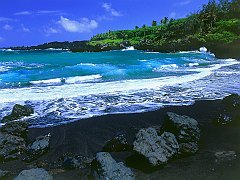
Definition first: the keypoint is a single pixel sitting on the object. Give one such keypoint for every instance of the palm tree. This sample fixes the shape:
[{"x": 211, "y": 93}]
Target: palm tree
[{"x": 154, "y": 23}]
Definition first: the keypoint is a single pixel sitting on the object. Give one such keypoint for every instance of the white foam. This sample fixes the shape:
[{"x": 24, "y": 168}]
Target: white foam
[
  {"x": 193, "y": 64},
  {"x": 131, "y": 48},
  {"x": 166, "y": 67},
  {"x": 3, "y": 69},
  {"x": 86, "y": 64},
  {"x": 186, "y": 52},
  {"x": 84, "y": 89},
  {"x": 70, "y": 80},
  {"x": 76, "y": 79},
  {"x": 203, "y": 49},
  {"x": 152, "y": 52},
  {"x": 48, "y": 81}
]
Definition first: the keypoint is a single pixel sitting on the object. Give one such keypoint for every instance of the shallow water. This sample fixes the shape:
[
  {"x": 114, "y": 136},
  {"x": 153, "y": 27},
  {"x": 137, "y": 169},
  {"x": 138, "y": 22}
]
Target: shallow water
[{"x": 64, "y": 86}]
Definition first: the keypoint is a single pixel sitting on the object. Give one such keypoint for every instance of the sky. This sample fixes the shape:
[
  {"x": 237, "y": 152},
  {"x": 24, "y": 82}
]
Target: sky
[{"x": 33, "y": 22}]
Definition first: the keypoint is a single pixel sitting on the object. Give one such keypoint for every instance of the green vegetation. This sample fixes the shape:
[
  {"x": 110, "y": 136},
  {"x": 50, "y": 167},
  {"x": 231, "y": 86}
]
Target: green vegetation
[
  {"x": 214, "y": 23},
  {"x": 216, "y": 26}
]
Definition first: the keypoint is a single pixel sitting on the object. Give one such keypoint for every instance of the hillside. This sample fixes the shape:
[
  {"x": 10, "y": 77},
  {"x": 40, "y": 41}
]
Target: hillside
[{"x": 216, "y": 26}]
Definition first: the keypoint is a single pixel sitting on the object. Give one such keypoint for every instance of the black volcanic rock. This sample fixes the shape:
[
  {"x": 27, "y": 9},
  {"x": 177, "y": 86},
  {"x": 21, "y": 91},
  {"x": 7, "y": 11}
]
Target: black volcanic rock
[
  {"x": 18, "y": 128},
  {"x": 70, "y": 161},
  {"x": 117, "y": 144},
  {"x": 38, "y": 148},
  {"x": 186, "y": 131},
  {"x": 105, "y": 167},
  {"x": 18, "y": 112},
  {"x": 11, "y": 146},
  {"x": 158, "y": 150}
]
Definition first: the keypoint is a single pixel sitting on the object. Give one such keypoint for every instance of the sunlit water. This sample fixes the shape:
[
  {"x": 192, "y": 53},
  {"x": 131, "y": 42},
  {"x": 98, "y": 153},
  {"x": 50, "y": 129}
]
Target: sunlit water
[{"x": 64, "y": 87}]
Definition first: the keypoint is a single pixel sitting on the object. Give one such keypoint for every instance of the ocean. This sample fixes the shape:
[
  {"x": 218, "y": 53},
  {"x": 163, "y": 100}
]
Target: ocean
[{"x": 64, "y": 87}]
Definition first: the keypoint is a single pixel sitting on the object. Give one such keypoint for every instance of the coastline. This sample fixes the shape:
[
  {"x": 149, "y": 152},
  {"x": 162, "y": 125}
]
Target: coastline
[{"x": 88, "y": 136}]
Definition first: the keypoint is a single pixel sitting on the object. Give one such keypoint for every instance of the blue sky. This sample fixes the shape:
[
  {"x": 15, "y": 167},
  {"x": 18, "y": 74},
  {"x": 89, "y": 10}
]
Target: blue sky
[{"x": 32, "y": 22}]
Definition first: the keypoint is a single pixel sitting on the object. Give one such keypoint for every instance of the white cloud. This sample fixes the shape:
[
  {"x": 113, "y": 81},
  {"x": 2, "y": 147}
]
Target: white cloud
[
  {"x": 183, "y": 3},
  {"x": 24, "y": 29},
  {"x": 23, "y": 13},
  {"x": 85, "y": 25},
  {"x": 39, "y": 12},
  {"x": 48, "y": 31},
  {"x": 109, "y": 9},
  {"x": 44, "y": 12},
  {"x": 1, "y": 39},
  {"x": 7, "y": 27},
  {"x": 5, "y": 19},
  {"x": 173, "y": 15}
]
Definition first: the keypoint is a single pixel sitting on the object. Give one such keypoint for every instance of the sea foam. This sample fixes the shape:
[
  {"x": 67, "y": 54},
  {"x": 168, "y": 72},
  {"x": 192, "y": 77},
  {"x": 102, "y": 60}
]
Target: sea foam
[{"x": 85, "y": 89}]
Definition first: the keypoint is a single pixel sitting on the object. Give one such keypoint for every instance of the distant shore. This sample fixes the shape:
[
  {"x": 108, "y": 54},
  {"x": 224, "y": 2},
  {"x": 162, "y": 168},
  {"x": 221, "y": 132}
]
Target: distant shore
[{"x": 221, "y": 50}]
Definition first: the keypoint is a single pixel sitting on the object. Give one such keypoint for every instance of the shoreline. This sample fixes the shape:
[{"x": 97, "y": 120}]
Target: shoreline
[{"x": 87, "y": 137}]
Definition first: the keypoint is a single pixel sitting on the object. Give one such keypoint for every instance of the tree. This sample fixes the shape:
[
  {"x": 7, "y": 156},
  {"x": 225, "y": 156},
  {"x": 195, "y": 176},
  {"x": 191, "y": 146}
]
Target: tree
[
  {"x": 223, "y": 8},
  {"x": 164, "y": 21},
  {"x": 154, "y": 23},
  {"x": 144, "y": 26},
  {"x": 235, "y": 9},
  {"x": 136, "y": 27},
  {"x": 208, "y": 15}
]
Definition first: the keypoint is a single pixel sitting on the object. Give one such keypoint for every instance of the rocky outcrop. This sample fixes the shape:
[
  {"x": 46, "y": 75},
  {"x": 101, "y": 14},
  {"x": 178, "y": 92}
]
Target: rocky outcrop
[
  {"x": 32, "y": 174},
  {"x": 4, "y": 174},
  {"x": 70, "y": 161},
  {"x": 18, "y": 112},
  {"x": 156, "y": 149},
  {"x": 186, "y": 131},
  {"x": 18, "y": 128},
  {"x": 10, "y": 146},
  {"x": 105, "y": 167},
  {"x": 38, "y": 148},
  {"x": 117, "y": 144}
]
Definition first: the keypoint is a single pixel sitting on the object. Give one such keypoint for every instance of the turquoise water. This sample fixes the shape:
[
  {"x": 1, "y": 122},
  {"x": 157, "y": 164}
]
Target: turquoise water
[
  {"x": 64, "y": 86},
  {"x": 21, "y": 68}
]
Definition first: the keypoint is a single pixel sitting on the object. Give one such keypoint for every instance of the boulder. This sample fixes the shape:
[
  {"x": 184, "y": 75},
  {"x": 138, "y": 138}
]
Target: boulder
[
  {"x": 4, "y": 174},
  {"x": 32, "y": 174},
  {"x": 117, "y": 144},
  {"x": 183, "y": 127},
  {"x": 38, "y": 148},
  {"x": 188, "y": 148},
  {"x": 186, "y": 131},
  {"x": 18, "y": 128},
  {"x": 18, "y": 112},
  {"x": 75, "y": 162},
  {"x": 105, "y": 167},
  {"x": 156, "y": 149},
  {"x": 10, "y": 146}
]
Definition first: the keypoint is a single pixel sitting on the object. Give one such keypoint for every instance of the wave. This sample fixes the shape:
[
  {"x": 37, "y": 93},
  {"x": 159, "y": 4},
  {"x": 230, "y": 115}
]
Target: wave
[
  {"x": 131, "y": 48},
  {"x": 193, "y": 64},
  {"x": 7, "y": 50},
  {"x": 3, "y": 69},
  {"x": 152, "y": 52},
  {"x": 86, "y": 64},
  {"x": 166, "y": 67},
  {"x": 123, "y": 87},
  {"x": 70, "y": 80}
]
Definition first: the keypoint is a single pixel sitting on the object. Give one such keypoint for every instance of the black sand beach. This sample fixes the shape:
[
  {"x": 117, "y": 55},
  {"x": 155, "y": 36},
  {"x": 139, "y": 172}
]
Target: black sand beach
[{"x": 87, "y": 137}]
